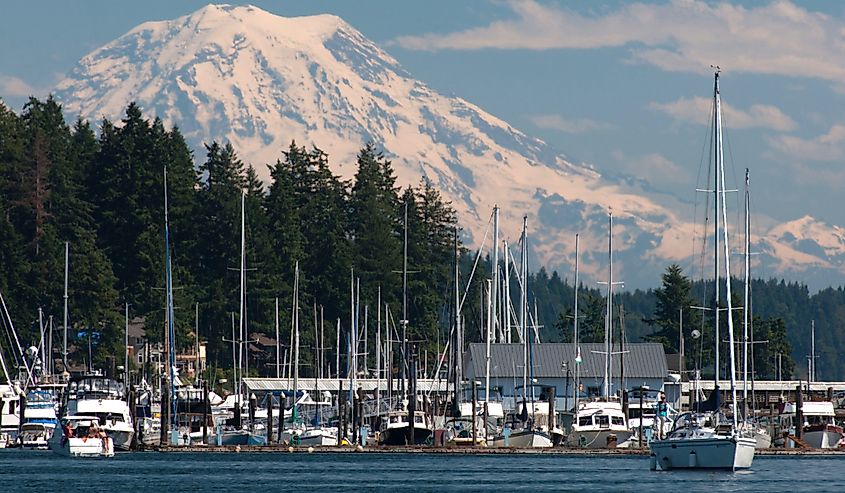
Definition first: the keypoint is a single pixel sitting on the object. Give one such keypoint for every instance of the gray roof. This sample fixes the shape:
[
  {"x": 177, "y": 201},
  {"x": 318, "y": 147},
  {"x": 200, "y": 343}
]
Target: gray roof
[{"x": 642, "y": 360}]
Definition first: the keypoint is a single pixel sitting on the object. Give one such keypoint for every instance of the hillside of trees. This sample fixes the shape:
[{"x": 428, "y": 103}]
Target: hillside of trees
[{"x": 100, "y": 187}]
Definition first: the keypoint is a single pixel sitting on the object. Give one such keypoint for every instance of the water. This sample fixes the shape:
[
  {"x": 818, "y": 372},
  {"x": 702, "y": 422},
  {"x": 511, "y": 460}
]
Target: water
[{"x": 260, "y": 472}]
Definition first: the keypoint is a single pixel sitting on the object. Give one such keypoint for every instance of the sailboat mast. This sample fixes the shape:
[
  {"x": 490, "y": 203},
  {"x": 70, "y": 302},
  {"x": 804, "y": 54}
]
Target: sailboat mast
[
  {"x": 608, "y": 319},
  {"x": 241, "y": 327},
  {"x": 523, "y": 308},
  {"x": 171, "y": 333},
  {"x": 575, "y": 330},
  {"x": 717, "y": 164},
  {"x": 296, "y": 334},
  {"x": 487, "y": 341},
  {"x": 278, "y": 343},
  {"x": 458, "y": 345},
  {"x": 746, "y": 300},
  {"x": 64, "y": 346},
  {"x": 721, "y": 174},
  {"x": 405, "y": 298},
  {"x": 494, "y": 274}
]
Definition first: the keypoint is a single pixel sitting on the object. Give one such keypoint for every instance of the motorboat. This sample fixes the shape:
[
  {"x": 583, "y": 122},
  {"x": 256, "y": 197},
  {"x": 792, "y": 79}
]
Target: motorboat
[
  {"x": 105, "y": 399},
  {"x": 395, "y": 429},
  {"x": 81, "y": 436},
  {"x": 599, "y": 424},
  {"x": 819, "y": 429}
]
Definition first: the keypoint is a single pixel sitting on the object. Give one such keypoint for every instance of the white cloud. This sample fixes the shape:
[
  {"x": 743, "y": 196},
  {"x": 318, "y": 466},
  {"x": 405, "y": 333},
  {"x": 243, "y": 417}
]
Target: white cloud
[
  {"x": 698, "y": 110},
  {"x": 14, "y": 87},
  {"x": 681, "y": 35},
  {"x": 654, "y": 168},
  {"x": 570, "y": 126},
  {"x": 826, "y": 147}
]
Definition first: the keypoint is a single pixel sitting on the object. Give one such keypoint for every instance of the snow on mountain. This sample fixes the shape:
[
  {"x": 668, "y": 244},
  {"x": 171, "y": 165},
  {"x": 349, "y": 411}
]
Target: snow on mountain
[{"x": 260, "y": 80}]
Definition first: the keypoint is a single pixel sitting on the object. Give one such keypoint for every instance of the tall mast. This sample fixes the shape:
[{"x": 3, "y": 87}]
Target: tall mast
[
  {"x": 722, "y": 193},
  {"x": 278, "y": 342},
  {"x": 241, "y": 325},
  {"x": 487, "y": 341},
  {"x": 126, "y": 349},
  {"x": 405, "y": 298},
  {"x": 295, "y": 335},
  {"x": 458, "y": 345},
  {"x": 170, "y": 345},
  {"x": 575, "y": 331},
  {"x": 608, "y": 318},
  {"x": 506, "y": 303},
  {"x": 746, "y": 300},
  {"x": 64, "y": 346},
  {"x": 717, "y": 136},
  {"x": 523, "y": 307},
  {"x": 494, "y": 274}
]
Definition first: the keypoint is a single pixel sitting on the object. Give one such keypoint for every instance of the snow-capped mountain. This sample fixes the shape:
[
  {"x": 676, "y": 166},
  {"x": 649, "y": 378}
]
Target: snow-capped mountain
[{"x": 260, "y": 80}]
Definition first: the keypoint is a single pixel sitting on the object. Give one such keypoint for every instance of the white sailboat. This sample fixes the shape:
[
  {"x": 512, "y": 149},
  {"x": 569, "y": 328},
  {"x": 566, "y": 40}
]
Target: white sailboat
[
  {"x": 601, "y": 423},
  {"x": 710, "y": 441}
]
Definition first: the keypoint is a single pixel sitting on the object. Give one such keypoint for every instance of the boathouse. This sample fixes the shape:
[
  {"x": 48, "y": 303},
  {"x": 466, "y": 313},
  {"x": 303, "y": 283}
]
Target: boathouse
[{"x": 553, "y": 364}]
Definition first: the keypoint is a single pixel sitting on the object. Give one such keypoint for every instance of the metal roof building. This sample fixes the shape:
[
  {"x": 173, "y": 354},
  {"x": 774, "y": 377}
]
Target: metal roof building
[{"x": 554, "y": 364}]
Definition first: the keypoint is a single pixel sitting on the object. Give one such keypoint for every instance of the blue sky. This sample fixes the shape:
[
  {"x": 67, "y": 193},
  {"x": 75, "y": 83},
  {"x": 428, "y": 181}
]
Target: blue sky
[{"x": 619, "y": 85}]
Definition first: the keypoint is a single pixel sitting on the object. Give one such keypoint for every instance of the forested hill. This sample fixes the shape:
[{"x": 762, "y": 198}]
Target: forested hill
[{"x": 99, "y": 186}]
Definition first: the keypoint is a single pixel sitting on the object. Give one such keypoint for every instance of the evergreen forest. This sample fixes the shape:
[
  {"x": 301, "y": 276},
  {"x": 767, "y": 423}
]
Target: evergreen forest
[{"x": 99, "y": 188}]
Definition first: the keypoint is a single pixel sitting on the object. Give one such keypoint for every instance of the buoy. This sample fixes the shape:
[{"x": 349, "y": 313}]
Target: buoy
[
  {"x": 310, "y": 449},
  {"x": 652, "y": 462},
  {"x": 290, "y": 449},
  {"x": 237, "y": 448},
  {"x": 359, "y": 448}
]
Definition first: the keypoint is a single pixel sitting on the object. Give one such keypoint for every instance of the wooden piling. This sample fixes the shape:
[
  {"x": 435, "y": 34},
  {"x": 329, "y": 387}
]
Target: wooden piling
[
  {"x": 270, "y": 407},
  {"x": 474, "y": 412},
  {"x": 799, "y": 412},
  {"x": 205, "y": 406},
  {"x": 281, "y": 417}
]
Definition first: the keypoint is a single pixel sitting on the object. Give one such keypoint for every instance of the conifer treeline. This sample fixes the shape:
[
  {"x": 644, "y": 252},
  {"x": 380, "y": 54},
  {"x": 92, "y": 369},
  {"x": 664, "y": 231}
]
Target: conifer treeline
[
  {"x": 104, "y": 195},
  {"x": 102, "y": 192}
]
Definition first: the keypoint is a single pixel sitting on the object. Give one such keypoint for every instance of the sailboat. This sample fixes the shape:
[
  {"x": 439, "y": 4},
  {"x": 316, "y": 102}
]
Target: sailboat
[
  {"x": 536, "y": 419},
  {"x": 601, "y": 423},
  {"x": 711, "y": 441},
  {"x": 761, "y": 434}
]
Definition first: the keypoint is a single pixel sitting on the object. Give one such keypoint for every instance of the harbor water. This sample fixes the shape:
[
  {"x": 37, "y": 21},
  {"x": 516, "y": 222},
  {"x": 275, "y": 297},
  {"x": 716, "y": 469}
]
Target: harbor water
[{"x": 254, "y": 472}]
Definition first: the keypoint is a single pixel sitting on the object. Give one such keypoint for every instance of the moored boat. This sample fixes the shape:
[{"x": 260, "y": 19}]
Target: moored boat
[{"x": 81, "y": 436}]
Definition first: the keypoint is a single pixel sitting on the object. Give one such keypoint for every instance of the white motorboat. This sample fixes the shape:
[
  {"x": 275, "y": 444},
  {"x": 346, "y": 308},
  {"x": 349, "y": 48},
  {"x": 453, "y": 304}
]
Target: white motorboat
[
  {"x": 600, "y": 424},
  {"x": 318, "y": 437},
  {"x": 81, "y": 437},
  {"x": 39, "y": 420},
  {"x": 819, "y": 429},
  {"x": 103, "y": 398},
  {"x": 522, "y": 438}
]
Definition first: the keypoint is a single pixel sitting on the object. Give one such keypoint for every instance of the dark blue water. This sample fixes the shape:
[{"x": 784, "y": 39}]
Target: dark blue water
[{"x": 260, "y": 472}]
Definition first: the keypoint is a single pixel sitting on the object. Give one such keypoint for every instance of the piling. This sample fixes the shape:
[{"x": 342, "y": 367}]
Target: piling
[
  {"x": 799, "y": 412},
  {"x": 359, "y": 413},
  {"x": 552, "y": 415},
  {"x": 355, "y": 401},
  {"x": 341, "y": 411},
  {"x": 205, "y": 406},
  {"x": 412, "y": 397},
  {"x": 281, "y": 417},
  {"x": 133, "y": 445},
  {"x": 659, "y": 433},
  {"x": 270, "y": 407},
  {"x": 22, "y": 411},
  {"x": 474, "y": 413},
  {"x": 253, "y": 405}
]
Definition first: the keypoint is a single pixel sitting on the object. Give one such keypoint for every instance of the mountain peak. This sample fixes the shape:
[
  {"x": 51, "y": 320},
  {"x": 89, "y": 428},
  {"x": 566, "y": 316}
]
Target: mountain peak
[{"x": 259, "y": 80}]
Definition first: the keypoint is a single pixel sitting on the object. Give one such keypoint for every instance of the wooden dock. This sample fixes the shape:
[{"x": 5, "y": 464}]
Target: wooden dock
[{"x": 563, "y": 451}]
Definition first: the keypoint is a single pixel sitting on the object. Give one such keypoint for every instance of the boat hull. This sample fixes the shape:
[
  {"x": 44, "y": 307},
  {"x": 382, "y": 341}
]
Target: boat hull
[
  {"x": 318, "y": 438},
  {"x": 122, "y": 439},
  {"x": 598, "y": 439},
  {"x": 822, "y": 438},
  {"x": 524, "y": 439},
  {"x": 81, "y": 447},
  {"x": 399, "y": 435},
  {"x": 703, "y": 453}
]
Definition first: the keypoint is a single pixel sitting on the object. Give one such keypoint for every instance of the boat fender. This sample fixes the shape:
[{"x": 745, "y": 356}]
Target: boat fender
[
  {"x": 693, "y": 459},
  {"x": 310, "y": 449}
]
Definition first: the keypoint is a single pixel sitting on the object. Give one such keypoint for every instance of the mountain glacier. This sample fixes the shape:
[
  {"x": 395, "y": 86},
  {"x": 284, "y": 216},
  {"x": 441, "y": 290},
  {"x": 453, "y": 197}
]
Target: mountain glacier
[{"x": 260, "y": 80}]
